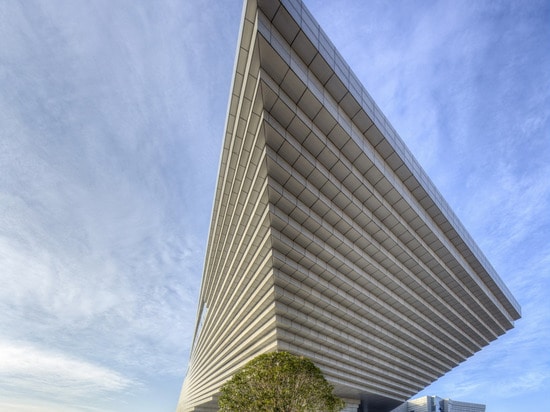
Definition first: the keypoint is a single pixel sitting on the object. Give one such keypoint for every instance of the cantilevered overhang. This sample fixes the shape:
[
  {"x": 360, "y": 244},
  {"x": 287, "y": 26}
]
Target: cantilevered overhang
[
  {"x": 349, "y": 253},
  {"x": 339, "y": 100}
]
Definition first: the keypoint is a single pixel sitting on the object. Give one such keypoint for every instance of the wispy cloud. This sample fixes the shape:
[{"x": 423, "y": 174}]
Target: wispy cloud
[
  {"x": 522, "y": 384},
  {"x": 112, "y": 118},
  {"x": 29, "y": 372}
]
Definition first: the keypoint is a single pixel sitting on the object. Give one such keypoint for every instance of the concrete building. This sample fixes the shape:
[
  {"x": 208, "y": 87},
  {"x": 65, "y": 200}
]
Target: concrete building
[
  {"x": 327, "y": 237},
  {"x": 437, "y": 404}
]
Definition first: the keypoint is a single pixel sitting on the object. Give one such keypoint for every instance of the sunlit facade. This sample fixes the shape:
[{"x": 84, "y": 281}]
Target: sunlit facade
[
  {"x": 437, "y": 404},
  {"x": 327, "y": 238}
]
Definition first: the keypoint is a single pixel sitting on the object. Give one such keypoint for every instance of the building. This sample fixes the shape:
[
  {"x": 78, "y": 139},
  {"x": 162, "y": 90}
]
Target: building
[
  {"x": 437, "y": 404},
  {"x": 327, "y": 238}
]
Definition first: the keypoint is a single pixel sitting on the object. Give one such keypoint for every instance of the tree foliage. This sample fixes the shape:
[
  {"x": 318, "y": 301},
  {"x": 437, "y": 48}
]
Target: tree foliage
[{"x": 279, "y": 382}]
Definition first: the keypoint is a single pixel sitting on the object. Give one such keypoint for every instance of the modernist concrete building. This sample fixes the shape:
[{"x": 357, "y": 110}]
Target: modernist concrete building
[
  {"x": 327, "y": 238},
  {"x": 437, "y": 404}
]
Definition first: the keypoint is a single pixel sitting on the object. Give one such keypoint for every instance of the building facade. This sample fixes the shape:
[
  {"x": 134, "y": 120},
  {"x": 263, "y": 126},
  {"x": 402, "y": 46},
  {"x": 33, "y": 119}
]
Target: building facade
[
  {"x": 327, "y": 238},
  {"x": 437, "y": 404}
]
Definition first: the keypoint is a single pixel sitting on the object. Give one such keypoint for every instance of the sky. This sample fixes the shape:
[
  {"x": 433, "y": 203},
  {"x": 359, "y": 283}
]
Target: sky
[{"x": 111, "y": 126}]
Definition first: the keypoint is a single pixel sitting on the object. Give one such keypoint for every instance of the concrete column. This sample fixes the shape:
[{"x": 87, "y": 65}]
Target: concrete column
[{"x": 351, "y": 405}]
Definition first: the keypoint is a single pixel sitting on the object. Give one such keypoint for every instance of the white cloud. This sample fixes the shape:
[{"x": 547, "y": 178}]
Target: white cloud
[
  {"x": 34, "y": 405},
  {"x": 52, "y": 378},
  {"x": 99, "y": 201},
  {"x": 522, "y": 383}
]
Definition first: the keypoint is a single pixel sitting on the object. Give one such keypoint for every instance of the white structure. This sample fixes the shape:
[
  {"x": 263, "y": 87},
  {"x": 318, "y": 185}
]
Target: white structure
[
  {"x": 327, "y": 238},
  {"x": 437, "y": 404},
  {"x": 450, "y": 405}
]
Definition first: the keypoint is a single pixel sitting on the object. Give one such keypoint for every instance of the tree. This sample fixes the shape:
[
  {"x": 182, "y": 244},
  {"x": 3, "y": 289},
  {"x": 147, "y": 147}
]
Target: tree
[{"x": 279, "y": 382}]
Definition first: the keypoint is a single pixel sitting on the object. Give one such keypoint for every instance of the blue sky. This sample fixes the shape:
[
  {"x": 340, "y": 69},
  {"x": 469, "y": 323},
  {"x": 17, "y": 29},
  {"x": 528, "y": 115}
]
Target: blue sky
[{"x": 111, "y": 120}]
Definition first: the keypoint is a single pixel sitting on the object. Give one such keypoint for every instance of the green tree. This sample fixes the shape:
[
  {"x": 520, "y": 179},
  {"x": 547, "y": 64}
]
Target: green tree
[{"x": 279, "y": 382}]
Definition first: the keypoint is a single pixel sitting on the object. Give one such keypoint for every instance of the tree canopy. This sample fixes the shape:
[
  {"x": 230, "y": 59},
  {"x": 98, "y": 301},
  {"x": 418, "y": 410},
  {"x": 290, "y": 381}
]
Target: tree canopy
[{"x": 279, "y": 382}]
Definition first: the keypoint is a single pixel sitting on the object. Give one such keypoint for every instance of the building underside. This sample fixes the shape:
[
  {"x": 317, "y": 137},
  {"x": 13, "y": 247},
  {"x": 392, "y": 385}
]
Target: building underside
[{"x": 327, "y": 238}]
